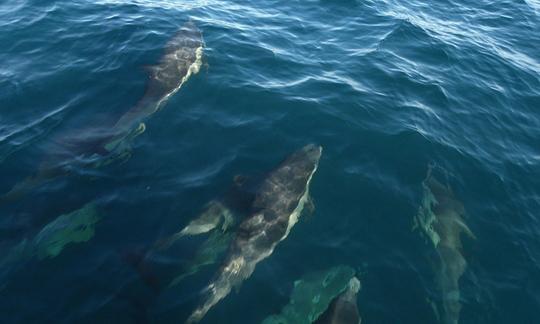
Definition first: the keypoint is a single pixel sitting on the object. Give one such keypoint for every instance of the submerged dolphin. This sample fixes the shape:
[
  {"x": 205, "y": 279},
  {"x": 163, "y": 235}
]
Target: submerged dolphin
[
  {"x": 96, "y": 149},
  {"x": 219, "y": 214},
  {"x": 219, "y": 220},
  {"x": 440, "y": 219},
  {"x": 75, "y": 227},
  {"x": 343, "y": 309},
  {"x": 278, "y": 205},
  {"x": 320, "y": 297},
  {"x": 98, "y": 146}
]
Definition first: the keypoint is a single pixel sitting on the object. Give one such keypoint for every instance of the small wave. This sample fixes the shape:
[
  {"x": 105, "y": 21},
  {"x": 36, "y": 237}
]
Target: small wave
[
  {"x": 458, "y": 34},
  {"x": 160, "y": 4},
  {"x": 201, "y": 177},
  {"x": 25, "y": 16},
  {"x": 535, "y": 5},
  {"x": 20, "y": 137}
]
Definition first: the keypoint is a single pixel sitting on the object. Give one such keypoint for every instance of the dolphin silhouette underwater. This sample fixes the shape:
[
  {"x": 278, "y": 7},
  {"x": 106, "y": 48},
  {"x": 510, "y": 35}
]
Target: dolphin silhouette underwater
[
  {"x": 218, "y": 220},
  {"x": 75, "y": 227},
  {"x": 440, "y": 220},
  {"x": 277, "y": 207},
  {"x": 344, "y": 308},
  {"x": 322, "y": 297},
  {"x": 99, "y": 146}
]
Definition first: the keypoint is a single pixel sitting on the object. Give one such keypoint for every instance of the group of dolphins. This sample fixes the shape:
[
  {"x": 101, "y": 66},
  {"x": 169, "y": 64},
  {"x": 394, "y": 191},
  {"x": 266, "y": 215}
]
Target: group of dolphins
[{"x": 237, "y": 236}]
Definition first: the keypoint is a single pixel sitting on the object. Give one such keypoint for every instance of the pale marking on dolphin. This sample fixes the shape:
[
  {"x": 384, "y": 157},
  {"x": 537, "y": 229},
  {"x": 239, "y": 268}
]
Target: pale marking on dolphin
[
  {"x": 298, "y": 210},
  {"x": 194, "y": 68}
]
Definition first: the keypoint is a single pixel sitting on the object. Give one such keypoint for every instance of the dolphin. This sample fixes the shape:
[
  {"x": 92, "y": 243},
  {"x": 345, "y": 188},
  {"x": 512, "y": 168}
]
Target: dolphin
[
  {"x": 343, "y": 309},
  {"x": 75, "y": 227},
  {"x": 182, "y": 59},
  {"x": 96, "y": 149},
  {"x": 277, "y": 206},
  {"x": 440, "y": 220},
  {"x": 314, "y": 294},
  {"x": 99, "y": 146}
]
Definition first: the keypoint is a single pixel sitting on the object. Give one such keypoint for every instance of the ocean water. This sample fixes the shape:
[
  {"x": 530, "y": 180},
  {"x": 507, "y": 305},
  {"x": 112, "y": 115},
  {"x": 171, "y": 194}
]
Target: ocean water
[{"x": 387, "y": 88}]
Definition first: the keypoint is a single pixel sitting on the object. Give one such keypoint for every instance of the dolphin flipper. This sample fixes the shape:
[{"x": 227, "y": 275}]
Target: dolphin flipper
[
  {"x": 434, "y": 308},
  {"x": 209, "y": 219},
  {"x": 212, "y": 216},
  {"x": 209, "y": 253},
  {"x": 465, "y": 229}
]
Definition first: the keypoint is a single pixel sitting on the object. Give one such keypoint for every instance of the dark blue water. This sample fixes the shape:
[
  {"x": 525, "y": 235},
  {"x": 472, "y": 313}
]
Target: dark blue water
[{"x": 386, "y": 87}]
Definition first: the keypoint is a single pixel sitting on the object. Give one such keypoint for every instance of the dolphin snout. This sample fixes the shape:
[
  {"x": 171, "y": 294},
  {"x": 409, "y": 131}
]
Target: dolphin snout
[{"x": 313, "y": 152}]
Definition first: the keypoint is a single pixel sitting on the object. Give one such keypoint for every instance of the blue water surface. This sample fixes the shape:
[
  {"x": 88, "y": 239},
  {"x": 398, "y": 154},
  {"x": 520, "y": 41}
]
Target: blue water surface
[{"x": 386, "y": 87}]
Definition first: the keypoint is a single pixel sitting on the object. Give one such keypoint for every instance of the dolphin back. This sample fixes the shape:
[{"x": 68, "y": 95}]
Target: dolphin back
[{"x": 181, "y": 59}]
